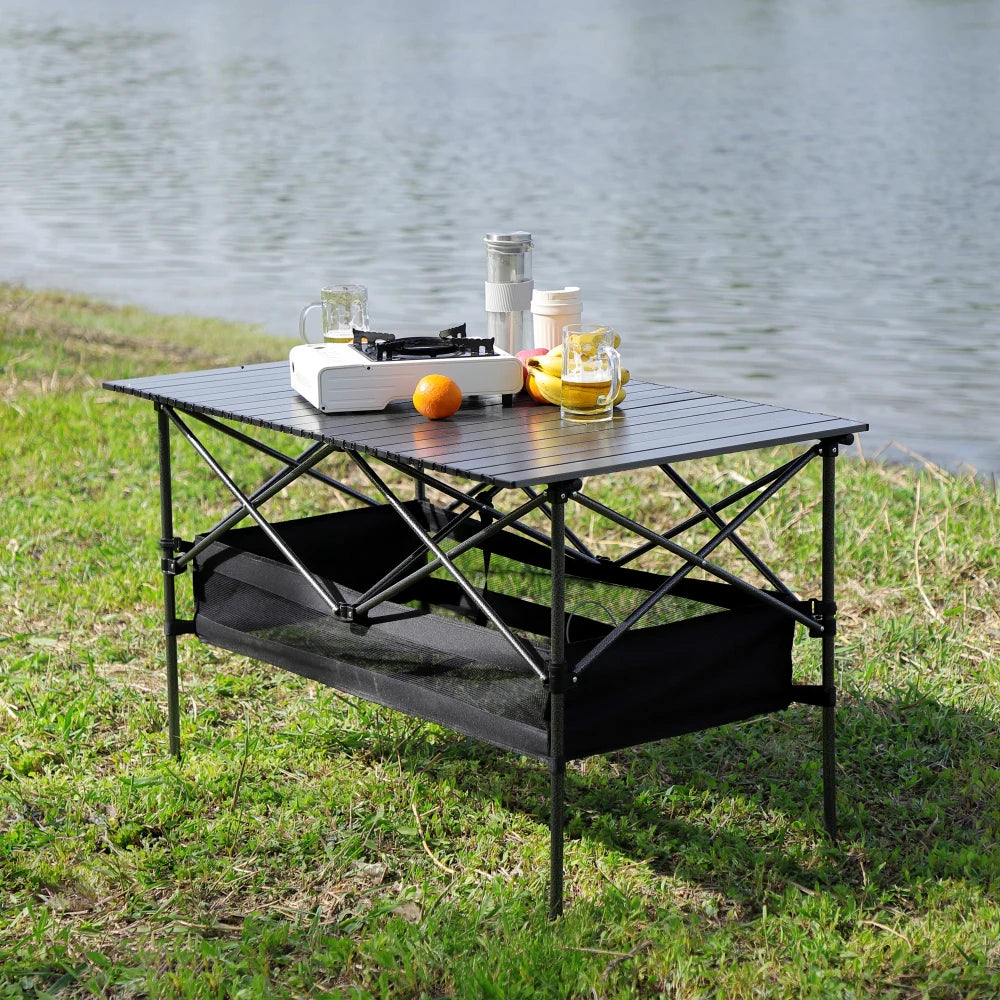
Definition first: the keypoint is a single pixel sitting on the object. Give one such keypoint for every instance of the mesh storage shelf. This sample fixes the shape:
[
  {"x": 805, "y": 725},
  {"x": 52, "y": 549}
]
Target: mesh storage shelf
[{"x": 706, "y": 654}]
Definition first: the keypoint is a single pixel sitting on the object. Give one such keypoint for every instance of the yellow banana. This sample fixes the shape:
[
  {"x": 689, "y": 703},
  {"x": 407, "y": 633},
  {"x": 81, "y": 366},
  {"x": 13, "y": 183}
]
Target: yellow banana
[
  {"x": 549, "y": 363},
  {"x": 542, "y": 386},
  {"x": 626, "y": 375}
]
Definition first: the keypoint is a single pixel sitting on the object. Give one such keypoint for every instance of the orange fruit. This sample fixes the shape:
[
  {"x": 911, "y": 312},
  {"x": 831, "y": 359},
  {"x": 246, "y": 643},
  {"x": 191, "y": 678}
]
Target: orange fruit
[{"x": 437, "y": 397}]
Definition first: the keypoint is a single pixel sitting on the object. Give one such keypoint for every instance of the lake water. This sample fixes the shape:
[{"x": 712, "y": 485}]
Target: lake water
[{"x": 789, "y": 200}]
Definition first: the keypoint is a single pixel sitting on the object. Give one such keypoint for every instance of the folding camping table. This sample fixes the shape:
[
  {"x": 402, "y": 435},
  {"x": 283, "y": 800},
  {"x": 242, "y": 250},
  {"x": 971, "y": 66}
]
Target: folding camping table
[{"x": 485, "y": 611}]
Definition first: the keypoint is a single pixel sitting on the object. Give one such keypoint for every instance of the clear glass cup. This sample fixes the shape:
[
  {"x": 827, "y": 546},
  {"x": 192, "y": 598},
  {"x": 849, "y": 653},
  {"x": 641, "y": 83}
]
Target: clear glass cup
[
  {"x": 591, "y": 372},
  {"x": 345, "y": 308}
]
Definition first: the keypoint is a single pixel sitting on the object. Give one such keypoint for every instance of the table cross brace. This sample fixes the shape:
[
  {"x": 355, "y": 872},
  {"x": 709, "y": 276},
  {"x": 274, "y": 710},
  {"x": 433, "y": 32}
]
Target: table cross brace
[
  {"x": 276, "y": 453},
  {"x": 695, "y": 519},
  {"x": 765, "y": 571},
  {"x": 528, "y": 654},
  {"x": 334, "y": 600},
  {"x": 695, "y": 559}
]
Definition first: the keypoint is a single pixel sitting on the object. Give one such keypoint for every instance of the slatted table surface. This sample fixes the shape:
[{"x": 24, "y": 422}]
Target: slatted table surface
[{"x": 523, "y": 445}]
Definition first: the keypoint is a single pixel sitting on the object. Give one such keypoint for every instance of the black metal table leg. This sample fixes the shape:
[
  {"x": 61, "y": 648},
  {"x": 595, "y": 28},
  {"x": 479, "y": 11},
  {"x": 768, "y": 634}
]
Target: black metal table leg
[
  {"x": 828, "y": 556},
  {"x": 167, "y": 547},
  {"x": 557, "y": 680}
]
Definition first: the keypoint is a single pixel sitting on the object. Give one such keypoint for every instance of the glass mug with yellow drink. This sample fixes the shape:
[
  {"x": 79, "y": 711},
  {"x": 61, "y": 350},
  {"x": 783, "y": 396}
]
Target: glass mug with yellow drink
[
  {"x": 344, "y": 307},
  {"x": 591, "y": 372}
]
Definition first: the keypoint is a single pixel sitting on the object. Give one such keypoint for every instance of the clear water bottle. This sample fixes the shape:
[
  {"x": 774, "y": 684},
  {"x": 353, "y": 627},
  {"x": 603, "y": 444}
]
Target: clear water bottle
[{"x": 508, "y": 290}]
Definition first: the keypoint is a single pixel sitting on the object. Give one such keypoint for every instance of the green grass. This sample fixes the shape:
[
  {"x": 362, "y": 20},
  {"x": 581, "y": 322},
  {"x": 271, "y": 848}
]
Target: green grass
[{"x": 313, "y": 845}]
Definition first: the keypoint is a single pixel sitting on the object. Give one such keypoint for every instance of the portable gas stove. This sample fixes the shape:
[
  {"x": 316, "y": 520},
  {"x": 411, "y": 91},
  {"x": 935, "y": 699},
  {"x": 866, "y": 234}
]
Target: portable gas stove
[{"x": 378, "y": 368}]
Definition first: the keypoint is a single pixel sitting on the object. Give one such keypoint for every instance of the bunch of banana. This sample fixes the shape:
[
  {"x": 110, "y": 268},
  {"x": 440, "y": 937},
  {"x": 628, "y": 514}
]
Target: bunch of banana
[{"x": 543, "y": 380}]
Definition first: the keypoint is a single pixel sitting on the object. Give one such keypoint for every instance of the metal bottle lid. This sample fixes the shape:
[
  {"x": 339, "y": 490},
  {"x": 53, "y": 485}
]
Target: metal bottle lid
[{"x": 509, "y": 242}]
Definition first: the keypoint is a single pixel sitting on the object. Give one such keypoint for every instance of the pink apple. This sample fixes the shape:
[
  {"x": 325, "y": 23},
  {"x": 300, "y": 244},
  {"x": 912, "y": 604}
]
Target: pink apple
[{"x": 522, "y": 356}]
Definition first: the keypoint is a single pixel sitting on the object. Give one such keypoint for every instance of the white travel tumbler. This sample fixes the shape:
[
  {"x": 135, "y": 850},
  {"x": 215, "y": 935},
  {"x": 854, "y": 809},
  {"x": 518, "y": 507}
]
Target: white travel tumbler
[{"x": 551, "y": 311}]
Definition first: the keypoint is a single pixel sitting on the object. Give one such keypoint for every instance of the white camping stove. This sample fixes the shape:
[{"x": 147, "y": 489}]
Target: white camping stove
[{"x": 378, "y": 368}]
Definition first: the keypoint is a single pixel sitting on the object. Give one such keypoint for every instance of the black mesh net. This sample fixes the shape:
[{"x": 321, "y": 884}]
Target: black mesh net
[
  {"x": 399, "y": 642},
  {"x": 702, "y": 655}
]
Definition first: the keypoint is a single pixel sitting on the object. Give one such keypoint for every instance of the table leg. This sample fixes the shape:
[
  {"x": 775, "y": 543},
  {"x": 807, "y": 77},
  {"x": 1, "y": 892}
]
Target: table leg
[
  {"x": 828, "y": 557},
  {"x": 558, "y": 679},
  {"x": 167, "y": 548}
]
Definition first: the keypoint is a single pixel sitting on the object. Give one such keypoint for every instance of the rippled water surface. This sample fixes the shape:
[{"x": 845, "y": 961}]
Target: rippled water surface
[{"x": 781, "y": 200}]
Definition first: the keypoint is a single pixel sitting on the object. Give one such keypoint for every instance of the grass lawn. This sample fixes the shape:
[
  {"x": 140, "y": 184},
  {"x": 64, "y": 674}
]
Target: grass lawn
[{"x": 312, "y": 845}]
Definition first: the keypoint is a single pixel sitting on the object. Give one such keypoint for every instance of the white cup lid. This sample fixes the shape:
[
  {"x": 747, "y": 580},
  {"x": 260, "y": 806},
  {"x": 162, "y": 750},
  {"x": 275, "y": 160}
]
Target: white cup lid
[{"x": 569, "y": 295}]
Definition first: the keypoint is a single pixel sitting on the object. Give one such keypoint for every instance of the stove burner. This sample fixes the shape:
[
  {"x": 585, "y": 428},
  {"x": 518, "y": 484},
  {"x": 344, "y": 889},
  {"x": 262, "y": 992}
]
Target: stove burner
[{"x": 451, "y": 343}]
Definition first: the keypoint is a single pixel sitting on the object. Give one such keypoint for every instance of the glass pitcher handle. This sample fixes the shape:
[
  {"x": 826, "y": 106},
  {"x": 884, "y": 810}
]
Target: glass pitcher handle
[
  {"x": 615, "y": 363},
  {"x": 302, "y": 323}
]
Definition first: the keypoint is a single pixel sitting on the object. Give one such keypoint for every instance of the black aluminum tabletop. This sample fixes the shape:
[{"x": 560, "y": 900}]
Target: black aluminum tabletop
[{"x": 524, "y": 445}]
